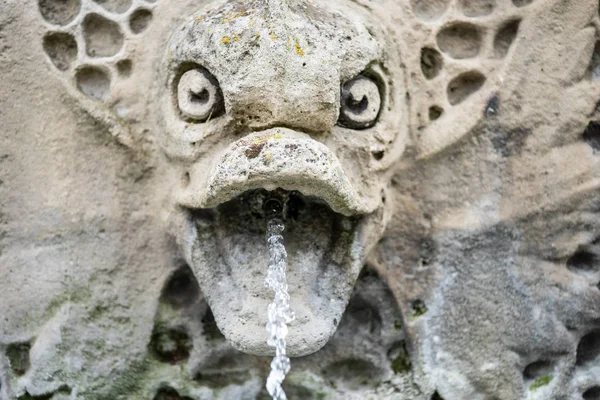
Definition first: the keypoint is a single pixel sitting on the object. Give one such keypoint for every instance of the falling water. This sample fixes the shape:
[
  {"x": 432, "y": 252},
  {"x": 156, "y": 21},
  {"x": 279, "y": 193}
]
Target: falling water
[{"x": 279, "y": 311}]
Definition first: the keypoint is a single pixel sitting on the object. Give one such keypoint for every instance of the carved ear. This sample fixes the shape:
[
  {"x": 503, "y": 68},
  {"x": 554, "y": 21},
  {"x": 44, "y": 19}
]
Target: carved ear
[
  {"x": 106, "y": 52},
  {"x": 458, "y": 54}
]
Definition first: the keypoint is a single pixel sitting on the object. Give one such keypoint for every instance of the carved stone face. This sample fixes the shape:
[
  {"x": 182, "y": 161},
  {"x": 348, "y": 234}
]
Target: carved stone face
[{"x": 295, "y": 97}]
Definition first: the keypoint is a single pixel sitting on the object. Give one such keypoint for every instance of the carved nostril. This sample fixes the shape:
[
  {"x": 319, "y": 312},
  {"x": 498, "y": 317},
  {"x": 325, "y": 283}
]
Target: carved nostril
[
  {"x": 185, "y": 179},
  {"x": 378, "y": 154}
]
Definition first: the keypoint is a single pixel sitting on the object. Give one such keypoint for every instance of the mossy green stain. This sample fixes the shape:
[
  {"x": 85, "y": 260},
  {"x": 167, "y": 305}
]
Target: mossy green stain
[
  {"x": 540, "y": 382},
  {"x": 72, "y": 296},
  {"x": 170, "y": 345},
  {"x": 98, "y": 311},
  {"x": 418, "y": 309},
  {"x": 18, "y": 356},
  {"x": 401, "y": 364}
]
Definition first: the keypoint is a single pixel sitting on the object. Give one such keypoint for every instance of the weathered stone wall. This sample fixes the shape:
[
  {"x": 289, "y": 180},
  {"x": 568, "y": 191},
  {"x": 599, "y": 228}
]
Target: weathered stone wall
[{"x": 470, "y": 195}]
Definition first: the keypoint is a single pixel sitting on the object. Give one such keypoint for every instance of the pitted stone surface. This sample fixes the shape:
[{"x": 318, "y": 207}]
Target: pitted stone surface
[{"x": 444, "y": 243}]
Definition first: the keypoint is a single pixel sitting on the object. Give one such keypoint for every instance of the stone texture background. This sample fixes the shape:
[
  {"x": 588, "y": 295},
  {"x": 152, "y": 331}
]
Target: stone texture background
[{"x": 484, "y": 286}]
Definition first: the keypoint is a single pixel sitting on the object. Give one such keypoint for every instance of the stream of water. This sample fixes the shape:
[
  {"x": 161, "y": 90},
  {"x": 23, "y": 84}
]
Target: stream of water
[{"x": 279, "y": 311}]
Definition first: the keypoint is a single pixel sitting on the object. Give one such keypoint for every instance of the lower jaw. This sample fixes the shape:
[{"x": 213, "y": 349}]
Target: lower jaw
[{"x": 230, "y": 259}]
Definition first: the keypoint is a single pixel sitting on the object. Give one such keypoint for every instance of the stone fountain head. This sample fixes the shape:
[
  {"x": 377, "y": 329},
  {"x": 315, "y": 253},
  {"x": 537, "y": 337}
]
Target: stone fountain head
[{"x": 292, "y": 98}]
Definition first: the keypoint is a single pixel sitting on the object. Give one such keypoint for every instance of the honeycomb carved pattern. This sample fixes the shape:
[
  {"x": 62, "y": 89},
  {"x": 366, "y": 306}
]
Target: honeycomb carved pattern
[
  {"x": 594, "y": 68},
  {"x": 87, "y": 42},
  {"x": 470, "y": 40},
  {"x": 59, "y": 12},
  {"x": 115, "y": 6},
  {"x": 593, "y": 71},
  {"x": 584, "y": 264}
]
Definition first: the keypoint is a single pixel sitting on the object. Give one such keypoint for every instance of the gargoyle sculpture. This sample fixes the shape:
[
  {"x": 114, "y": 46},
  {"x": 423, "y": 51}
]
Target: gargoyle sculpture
[{"x": 436, "y": 162}]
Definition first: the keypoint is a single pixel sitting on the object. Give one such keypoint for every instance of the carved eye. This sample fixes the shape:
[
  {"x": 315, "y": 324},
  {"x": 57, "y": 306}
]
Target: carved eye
[
  {"x": 361, "y": 103},
  {"x": 199, "y": 96}
]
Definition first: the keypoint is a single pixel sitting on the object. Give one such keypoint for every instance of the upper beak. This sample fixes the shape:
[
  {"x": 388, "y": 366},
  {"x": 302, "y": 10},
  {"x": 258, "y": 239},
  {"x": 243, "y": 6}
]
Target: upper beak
[{"x": 271, "y": 159}]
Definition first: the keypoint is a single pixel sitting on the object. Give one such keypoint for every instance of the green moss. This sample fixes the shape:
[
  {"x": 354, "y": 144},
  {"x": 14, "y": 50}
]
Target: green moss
[
  {"x": 400, "y": 358},
  {"x": 97, "y": 312},
  {"x": 18, "y": 356},
  {"x": 541, "y": 381},
  {"x": 419, "y": 308},
  {"x": 401, "y": 364},
  {"x": 166, "y": 312},
  {"x": 124, "y": 384},
  {"x": 72, "y": 296},
  {"x": 397, "y": 325},
  {"x": 170, "y": 345}
]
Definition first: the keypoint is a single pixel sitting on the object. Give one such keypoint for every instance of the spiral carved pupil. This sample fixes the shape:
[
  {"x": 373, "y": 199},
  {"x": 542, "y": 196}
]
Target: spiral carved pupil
[
  {"x": 361, "y": 102},
  {"x": 199, "y": 98},
  {"x": 357, "y": 106}
]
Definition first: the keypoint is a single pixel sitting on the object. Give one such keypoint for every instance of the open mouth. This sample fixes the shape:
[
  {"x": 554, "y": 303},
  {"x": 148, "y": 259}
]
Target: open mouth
[
  {"x": 315, "y": 236},
  {"x": 324, "y": 257},
  {"x": 329, "y": 226}
]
